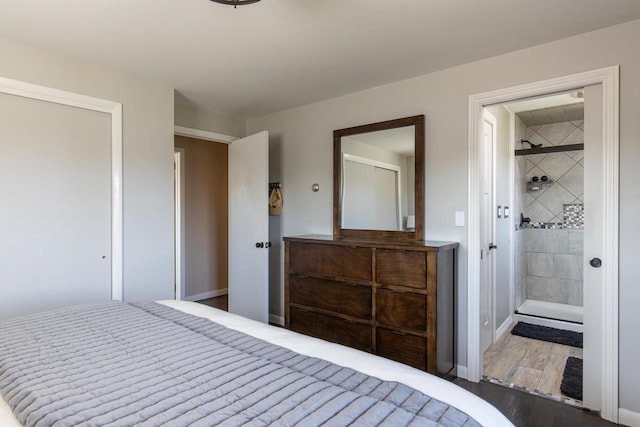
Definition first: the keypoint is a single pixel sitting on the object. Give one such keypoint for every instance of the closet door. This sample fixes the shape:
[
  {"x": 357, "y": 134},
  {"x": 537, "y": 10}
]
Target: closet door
[
  {"x": 370, "y": 199},
  {"x": 55, "y": 221}
]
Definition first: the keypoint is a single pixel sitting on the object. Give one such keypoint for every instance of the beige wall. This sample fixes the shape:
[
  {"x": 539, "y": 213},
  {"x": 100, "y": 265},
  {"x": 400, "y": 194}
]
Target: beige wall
[
  {"x": 205, "y": 215},
  {"x": 147, "y": 157},
  {"x": 301, "y": 153}
]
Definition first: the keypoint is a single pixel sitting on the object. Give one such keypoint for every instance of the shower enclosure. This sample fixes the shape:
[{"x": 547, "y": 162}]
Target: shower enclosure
[{"x": 549, "y": 204}]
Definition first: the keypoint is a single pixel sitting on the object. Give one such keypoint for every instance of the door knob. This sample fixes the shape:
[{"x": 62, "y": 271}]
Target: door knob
[
  {"x": 259, "y": 245},
  {"x": 595, "y": 262}
]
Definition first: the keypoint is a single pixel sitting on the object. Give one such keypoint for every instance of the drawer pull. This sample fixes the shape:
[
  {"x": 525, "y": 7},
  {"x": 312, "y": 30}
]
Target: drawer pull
[
  {"x": 353, "y": 285},
  {"x": 302, "y": 276},
  {"x": 402, "y": 334}
]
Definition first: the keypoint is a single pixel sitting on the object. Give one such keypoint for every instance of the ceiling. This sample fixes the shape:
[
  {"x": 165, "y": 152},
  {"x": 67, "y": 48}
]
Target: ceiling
[
  {"x": 278, "y": 54},
  {"x": 559, "y": 108}
]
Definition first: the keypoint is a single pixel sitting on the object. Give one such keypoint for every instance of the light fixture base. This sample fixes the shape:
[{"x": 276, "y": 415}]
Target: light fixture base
[{"x": 235, "y": 3}]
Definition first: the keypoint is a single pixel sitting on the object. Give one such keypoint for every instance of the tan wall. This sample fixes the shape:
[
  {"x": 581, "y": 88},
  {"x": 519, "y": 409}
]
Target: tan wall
[{"x": 206, "y": 215}]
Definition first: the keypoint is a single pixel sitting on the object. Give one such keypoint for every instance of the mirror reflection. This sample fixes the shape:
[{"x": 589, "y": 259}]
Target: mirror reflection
[{"x": 378, "y": 180}]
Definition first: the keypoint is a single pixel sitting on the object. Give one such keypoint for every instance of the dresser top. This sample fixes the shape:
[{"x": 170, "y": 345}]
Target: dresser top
[{"x": 427, "y": 245}]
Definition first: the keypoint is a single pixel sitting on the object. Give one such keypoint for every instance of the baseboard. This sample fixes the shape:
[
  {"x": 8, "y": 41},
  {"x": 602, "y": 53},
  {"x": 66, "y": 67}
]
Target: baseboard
[
  {"x": 207, "y": 295},
  {"x": 276, "y": 320},
  {"x": 504, "y": 327},
  {"x": 628, "y": 418},
  {"x": 462, "y": 372}
]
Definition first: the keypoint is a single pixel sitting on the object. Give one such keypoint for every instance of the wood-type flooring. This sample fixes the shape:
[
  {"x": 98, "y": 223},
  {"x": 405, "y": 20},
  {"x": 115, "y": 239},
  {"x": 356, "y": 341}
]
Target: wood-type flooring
[{"x": 528, "y": 363}]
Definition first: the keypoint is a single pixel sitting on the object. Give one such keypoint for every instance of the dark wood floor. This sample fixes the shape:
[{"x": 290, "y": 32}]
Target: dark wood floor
[
  {"x": 523, "y": 409},
  {"x": 221, "y": 302},
  {"x": 527, "y": 410}
]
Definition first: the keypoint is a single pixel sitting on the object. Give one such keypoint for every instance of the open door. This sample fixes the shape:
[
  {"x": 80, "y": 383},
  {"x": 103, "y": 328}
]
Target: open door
[
  {"x": 487, "y": 231},
  {"x": 249, "y": 227},
  {"x": 594, "y": 249}
]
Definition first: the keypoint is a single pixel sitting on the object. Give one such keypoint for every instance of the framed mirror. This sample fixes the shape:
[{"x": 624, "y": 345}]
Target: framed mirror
[{"x": 378, "y": 180}]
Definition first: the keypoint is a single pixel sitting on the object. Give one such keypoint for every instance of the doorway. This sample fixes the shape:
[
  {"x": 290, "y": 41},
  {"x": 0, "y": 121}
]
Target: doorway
[
  {"x": 600, "y": 284},
  {"x": 201, "y": 227},
  {"x": 540, "y": 336},
  {"x": 221, "y": 228}
]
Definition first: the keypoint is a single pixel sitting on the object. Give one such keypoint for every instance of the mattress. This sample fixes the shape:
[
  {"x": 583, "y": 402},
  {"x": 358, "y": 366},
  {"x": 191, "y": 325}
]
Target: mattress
[{"x": 348, "y": 358}]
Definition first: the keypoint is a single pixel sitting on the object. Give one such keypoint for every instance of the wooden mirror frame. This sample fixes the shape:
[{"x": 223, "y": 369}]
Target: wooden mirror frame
[{"x": 344, "y": 233}]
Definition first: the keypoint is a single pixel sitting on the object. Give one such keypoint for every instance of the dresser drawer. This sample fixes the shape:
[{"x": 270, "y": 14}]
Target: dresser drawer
[
  {"x": 401, "y": 309},
  {"x": 332, "y": 329},
  {"x": 402, "y": 268},
  {"x": 407, "y": 349},
  {"x": 350, "y": 299},
  {"x": 330, "y": 260}
]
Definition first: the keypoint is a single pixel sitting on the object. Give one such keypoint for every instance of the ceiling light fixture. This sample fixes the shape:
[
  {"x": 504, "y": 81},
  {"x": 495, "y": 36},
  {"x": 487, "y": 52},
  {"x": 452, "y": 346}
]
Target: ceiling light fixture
[{"x": 235, "y": 3}]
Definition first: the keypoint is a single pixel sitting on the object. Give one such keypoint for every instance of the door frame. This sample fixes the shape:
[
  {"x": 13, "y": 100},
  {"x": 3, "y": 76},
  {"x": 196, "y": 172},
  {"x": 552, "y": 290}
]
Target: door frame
[
  {"x": 609, "y": 79},
  {"x": 178, "y": 197},
  {"x": 114, "y": 109},
  {"x": 179, "y": 221}
]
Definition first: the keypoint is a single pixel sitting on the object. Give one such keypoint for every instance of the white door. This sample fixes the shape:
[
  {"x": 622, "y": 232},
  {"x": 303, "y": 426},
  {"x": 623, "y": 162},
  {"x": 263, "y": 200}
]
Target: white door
[
  {"x": 249, "y": 227},
  {"x": 55, "y": 221},
  {"x": 387, "y": 199},
  {"x": 371, "y": 195},
  {"x": 487, "y": 230},
  {"x": 593, "y": 289}
]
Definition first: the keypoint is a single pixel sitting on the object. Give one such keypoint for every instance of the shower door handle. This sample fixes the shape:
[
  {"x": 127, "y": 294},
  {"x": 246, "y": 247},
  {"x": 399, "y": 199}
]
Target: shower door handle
[
  {"x": 595, "y": 262},
  {"x": 492, "y": 246}
]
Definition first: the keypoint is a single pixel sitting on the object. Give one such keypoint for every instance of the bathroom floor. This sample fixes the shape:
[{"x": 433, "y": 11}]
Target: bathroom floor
[{"x": 531, "y": 365}]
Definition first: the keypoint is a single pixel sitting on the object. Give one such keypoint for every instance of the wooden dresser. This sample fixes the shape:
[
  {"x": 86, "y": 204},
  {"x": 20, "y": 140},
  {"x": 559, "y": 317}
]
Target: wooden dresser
[{"x": 393, "y": 299}]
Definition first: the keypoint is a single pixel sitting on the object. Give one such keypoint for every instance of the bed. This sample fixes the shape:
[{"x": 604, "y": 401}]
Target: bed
[{"x": 176, "y": 377}]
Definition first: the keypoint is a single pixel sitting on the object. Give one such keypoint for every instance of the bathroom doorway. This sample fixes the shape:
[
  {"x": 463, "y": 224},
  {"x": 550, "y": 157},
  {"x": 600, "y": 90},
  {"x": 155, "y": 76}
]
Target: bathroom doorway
[
  {"x": 538, "y": 338},
  {"x": 595, "y": 258}
]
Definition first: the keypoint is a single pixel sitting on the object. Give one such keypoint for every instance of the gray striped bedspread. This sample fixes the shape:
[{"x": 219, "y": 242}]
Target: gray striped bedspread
[{"x": 119, "y": 364}]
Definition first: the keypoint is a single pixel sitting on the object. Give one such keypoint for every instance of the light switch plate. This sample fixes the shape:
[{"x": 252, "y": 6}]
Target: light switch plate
[{"x": 459, "y": 218}]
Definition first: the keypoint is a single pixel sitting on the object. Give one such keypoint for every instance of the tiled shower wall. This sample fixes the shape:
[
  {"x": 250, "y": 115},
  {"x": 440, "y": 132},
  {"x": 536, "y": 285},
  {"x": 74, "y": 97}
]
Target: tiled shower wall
[
  {"x": 554, "y": 260},
  {"x": 548, "y": 262},
  {"x": 566, "y": 169},
  {"x": 520, "y": 187},
  {"x": 520, "y": 270}
]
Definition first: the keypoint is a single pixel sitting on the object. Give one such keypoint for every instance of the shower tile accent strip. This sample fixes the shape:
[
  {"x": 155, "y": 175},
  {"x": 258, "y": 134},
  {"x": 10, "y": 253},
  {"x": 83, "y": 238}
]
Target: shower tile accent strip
[{"x": 573, "y": 216}]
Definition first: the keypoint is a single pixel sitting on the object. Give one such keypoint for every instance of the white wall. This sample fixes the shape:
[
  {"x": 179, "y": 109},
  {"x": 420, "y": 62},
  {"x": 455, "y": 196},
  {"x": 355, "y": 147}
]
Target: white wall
[
  {"x": 303, "y": 137},
  {"x": 191, "y": 116},
  {"x": 147, "y": 157}
]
